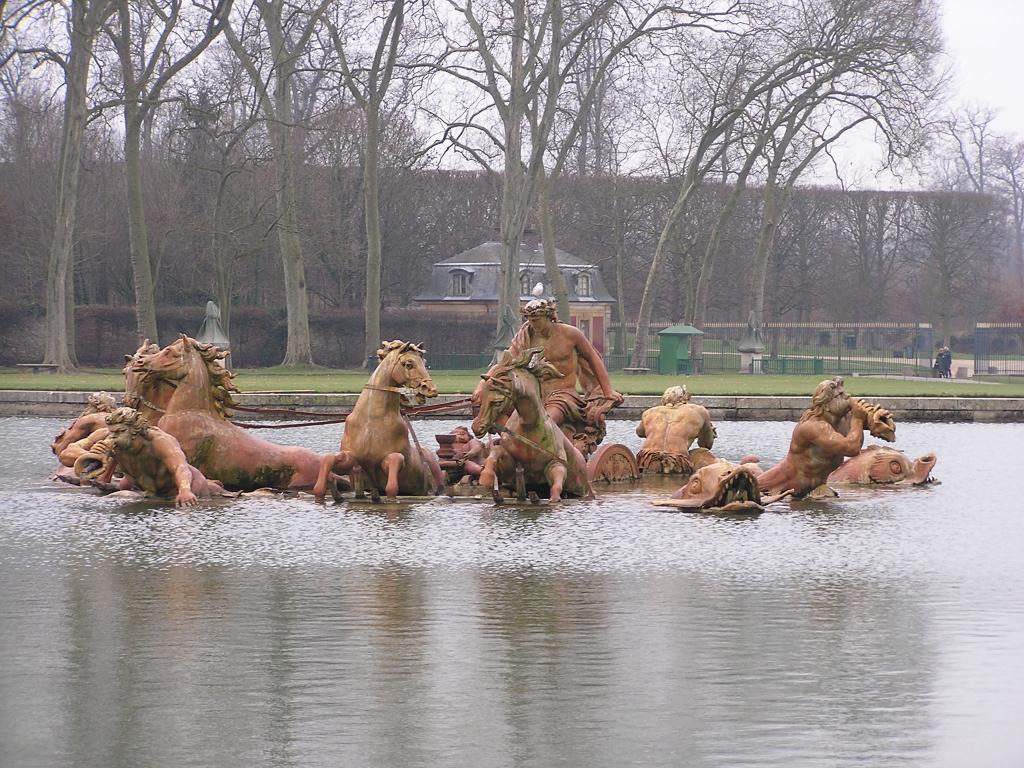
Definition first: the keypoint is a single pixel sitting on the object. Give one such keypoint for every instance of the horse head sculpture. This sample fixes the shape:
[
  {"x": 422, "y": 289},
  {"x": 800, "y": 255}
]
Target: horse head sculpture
[
  {"x": 403, "y": 366},
  {"x": 508, "y": 383},
  {"x": 194, "y": 370},
  {"x": 133, "y": 375},
  {"x": 511, "y": 404}
]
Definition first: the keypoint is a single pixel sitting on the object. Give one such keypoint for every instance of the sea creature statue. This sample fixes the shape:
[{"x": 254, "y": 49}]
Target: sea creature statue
[
  {"x": 881, "y": 465},
  {"x": 379, "y": 443},
  {"x": 829, "y": 431},
  {"x": 89, "y": 420},
  {"x": 87, "y": 423},
  {"x": 511, "y": 404},
  {"x": 150, "y": 459},
  {"x": 187, "y": 387},
  {"x": 721, "y": 487},
  {"x": 70, "y": 455},
  {"x": 669, "y": 429}
]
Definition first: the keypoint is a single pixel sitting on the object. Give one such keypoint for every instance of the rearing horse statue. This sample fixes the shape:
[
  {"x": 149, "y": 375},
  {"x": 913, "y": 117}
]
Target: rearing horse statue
[
  {"x": 377, "y": 436},
  {"x": 529, "y": 436},
  {"x": 185, "y": 389}
]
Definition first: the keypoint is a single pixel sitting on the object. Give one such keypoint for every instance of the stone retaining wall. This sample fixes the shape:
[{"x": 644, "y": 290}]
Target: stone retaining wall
[{"x": 722, "y": 408}]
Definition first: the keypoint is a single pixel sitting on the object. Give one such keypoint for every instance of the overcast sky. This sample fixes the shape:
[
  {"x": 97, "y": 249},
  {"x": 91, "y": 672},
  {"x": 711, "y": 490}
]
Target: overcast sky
[{"x": 985, "y": 42}]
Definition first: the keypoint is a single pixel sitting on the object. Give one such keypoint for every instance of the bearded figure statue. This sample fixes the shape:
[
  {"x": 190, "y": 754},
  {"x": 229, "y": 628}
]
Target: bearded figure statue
[{"x": 830, "y": 430}]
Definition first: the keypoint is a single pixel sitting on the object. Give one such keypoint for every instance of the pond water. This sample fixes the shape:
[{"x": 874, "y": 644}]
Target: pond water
[{"x": 882, "y": 628}]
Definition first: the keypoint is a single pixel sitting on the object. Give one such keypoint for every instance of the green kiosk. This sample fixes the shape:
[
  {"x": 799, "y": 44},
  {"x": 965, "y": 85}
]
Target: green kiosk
[{"x": 674, "y": 346}]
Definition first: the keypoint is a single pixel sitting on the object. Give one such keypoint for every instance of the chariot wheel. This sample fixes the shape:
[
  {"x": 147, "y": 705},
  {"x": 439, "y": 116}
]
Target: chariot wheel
[{"x": 613, "y": 463}]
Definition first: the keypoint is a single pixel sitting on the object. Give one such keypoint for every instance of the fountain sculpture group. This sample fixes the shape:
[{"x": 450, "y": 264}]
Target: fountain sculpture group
[{"x": 544, "y": 404}]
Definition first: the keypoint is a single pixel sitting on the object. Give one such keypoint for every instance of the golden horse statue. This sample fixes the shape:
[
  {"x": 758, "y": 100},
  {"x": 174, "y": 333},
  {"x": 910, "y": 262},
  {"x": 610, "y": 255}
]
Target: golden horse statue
[
  {"x": 378, "y": 440},
  {"x": 511, "y": 404}
]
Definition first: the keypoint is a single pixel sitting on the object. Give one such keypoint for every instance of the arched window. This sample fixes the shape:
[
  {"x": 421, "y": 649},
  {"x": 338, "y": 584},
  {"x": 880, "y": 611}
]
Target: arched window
[
  {"x": 460, "y": 283},
  {"x": 583, "y": 284},
  {"x": 525, "y": 285}
]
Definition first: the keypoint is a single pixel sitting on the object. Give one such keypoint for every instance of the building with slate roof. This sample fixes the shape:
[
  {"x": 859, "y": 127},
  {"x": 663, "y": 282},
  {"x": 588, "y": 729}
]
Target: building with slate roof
[{"x": 467, "y": 285}]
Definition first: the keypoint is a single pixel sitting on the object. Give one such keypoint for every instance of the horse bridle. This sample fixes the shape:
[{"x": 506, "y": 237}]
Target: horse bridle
[
  {"x": 404, "y": 391},
  {"x": 148, "y": 373},
  {"x": 152, "y": 406},
  {"x": 503, "y": 430}
]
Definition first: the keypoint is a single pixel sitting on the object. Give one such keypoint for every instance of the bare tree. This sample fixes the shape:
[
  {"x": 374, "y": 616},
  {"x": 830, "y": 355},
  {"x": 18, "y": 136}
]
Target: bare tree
[
  {"x": 955, "y": 235},
  {"x": 973, "y": 134},
  {"x": 1007, "y": 167},
  {"x": 83, "y": 21},
  {"x": 876, "y": 233},
  {"x": 859, "y": 60},
  {"x": 367, "y": 79},
  {"x": 612, "y": 36},
  {"x": 154, "y": 41},
  {"x": 269, "y": 38},
  {"x": 219, "y": 112},
  {"x": 728, "y": 89},
  {"x": 989, "y": 162},
  {"x": 519, "y": 58}
]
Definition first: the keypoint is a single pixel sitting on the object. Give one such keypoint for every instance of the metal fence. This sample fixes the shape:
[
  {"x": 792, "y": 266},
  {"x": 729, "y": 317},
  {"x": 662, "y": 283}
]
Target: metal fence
[
  {"x": 620, "y": 354},
  {"x": 899, "y": 349},
  {"x": 999, "y": 349},
  {"x": 895, "y": 349},
  {"x": 904, "y": 349}
]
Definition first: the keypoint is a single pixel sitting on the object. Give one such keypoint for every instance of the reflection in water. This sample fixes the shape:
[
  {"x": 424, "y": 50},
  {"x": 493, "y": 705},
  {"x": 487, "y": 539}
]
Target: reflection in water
[{"x": 881, "y": 629}]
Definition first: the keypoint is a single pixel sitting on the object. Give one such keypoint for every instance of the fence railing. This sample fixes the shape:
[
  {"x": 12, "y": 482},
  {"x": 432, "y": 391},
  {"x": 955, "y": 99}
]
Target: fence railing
[
  {"x": 999, "y": 349},
  {"x": 902, "y": 349},
  {"x": 821, "y": 349}
]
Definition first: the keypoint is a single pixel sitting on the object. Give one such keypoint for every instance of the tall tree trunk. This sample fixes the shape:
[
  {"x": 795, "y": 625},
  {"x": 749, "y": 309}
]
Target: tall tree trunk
[
  {"x": 138, "y": 241},
  {"x": 221, "y": 261},
  {"x": 70, "y": 303},
  {"x": 770, "y": 212},
  {"x": 298, "y": 351},
  {"x": 620, "y": 275},
  {"x": 944, "y": 308},
  {"x": 513, "y": 222},
  {"x": 513, "y": 204},
  {"x": 371, "y": 205},
  {"x": 59, "y": 320},
  {"x": 702, "y": 291},
  {"x": 643, "y": 322},
  {"x": 547, "y": 228}
]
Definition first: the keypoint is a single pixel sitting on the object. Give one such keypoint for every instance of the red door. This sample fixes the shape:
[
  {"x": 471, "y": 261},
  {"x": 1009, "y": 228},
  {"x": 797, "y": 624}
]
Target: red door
[{"x": 597, "y": 337}]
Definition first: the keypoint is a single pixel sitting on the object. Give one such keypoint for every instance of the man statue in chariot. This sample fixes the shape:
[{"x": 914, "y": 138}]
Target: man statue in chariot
[{"x": 579, "y": 400}]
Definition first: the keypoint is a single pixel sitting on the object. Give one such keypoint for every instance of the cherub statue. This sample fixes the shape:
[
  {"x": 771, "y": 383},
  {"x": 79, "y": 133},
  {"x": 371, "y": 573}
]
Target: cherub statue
[{"x": 465, "y": 456}]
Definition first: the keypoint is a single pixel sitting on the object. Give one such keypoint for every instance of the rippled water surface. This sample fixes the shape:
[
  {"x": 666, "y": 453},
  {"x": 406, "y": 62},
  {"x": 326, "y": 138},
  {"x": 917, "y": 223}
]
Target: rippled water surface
[{"x": 882, "y": 628}]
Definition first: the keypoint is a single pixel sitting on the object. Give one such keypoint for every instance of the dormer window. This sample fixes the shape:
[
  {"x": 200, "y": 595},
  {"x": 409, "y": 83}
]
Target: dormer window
[
  {"x": 583, "y": 284},
  {"x": 525, "y": 284},
  {"x": 460, "y": 280}
]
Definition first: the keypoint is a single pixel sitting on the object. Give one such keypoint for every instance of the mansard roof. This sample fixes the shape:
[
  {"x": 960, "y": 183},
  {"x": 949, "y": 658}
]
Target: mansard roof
[
  {"x": 482, "y": 265},
  {"x": 489, "y": 253}
]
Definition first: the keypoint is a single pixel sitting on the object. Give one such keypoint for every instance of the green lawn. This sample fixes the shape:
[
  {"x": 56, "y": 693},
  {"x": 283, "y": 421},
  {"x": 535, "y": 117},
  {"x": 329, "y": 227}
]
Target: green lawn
[{"x": 326, "y": 380}]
